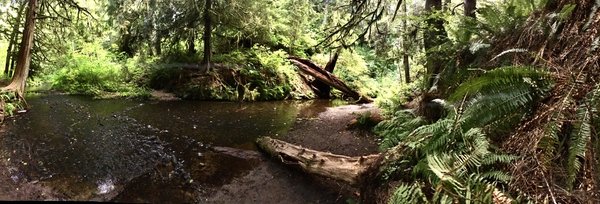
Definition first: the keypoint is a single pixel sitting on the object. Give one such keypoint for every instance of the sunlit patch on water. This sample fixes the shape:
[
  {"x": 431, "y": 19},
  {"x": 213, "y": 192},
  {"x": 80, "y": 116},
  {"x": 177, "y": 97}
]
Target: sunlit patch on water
[{"x": 105, "y": 186}]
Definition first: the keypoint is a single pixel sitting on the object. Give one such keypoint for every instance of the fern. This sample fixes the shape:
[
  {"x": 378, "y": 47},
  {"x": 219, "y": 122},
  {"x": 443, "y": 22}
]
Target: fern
[
  {"x": 500, "y": 93},
  {"x": 493, "y": 81},
  {"x": 408, "y": 194},
  {"x": 454, "y": 155},
  {"x": 580, "y": 138},
  {"x": 549, "y": 142}
]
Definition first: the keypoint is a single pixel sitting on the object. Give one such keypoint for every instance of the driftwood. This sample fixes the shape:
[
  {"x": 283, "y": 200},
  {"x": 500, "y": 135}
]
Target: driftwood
[
  {"x": 360, "y": 171},
  {"x": 320, "y": 74},
  {"x": 338, "y": 167}
]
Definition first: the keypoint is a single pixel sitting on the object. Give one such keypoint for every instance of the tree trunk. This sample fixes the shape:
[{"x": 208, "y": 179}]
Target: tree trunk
[
  {"x": 191, "y": 40},
  {"x": 435, "y": 36},
  {"x": 405, "y": 44},
  {"x": 470, "y": 6},
  {"x": 13, "y": 40},
  {"x": 338, "y": 167},
  {"x": 325, "y": 13},
  {"x": 19, "y": 79},
  {"x": 207, "y": 35},
  {"x": 157, "y": 44},
  {"x": 324, "y": 90}
]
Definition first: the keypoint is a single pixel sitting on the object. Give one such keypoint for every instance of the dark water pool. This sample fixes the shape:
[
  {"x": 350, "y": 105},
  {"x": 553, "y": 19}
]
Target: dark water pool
[{"x": 132, "y": 151}]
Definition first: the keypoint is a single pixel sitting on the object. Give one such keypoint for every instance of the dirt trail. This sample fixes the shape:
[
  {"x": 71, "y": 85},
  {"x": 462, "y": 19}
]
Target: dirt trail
[{"x": 328, "y": 131}]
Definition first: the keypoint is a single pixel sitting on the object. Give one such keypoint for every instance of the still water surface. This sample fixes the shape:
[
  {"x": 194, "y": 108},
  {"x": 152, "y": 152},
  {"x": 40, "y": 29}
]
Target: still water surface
[{"x": 150, "y": 151}]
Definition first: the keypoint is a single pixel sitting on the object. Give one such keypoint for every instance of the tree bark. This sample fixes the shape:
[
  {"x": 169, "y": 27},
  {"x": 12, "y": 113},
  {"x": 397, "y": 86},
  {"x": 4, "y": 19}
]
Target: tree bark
[
  {"x": 338, "y": 167},
  {"x": 324, "y": 90},
  {"x": 192, "y": 42},
  {"x": 207, "y": 35},
  {"x": 13, "y": 39},
  {"x": 158, "y": 44},
  {"x": 470, "y": 6},
  {"x": 19, "y": 78},
  {"x": 405, "y": 57},
  {"x": 435, "y": 35}
]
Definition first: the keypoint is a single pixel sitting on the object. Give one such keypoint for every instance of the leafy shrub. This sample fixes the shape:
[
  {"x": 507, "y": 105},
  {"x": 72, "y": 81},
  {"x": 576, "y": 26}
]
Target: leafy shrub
[
  {"x": 92, "y": 70},
  {"x": 265, "y": 74},
  {"x": 9, "y": 104}
]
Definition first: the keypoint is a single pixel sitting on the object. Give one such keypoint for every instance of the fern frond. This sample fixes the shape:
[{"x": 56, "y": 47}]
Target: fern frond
[
  {"x": 493, "y": 81},
  {"x": 496, "y": 176},
  {"x": 408, "y": 194},
  {"x": 550, "y": 140},
  {"x": 580, "y": 138},
  {"x": 486, "y": 109},
  {"x": 441, "y": 166},
  {"x": 498, "y": 159}
]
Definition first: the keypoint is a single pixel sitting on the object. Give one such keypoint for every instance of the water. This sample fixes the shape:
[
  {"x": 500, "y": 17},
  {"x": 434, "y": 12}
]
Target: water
[{"x": 134, "y": 151}]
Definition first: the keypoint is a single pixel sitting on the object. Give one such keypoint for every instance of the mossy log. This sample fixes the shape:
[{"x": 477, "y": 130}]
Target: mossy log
[{"x": 338, "y": 167}]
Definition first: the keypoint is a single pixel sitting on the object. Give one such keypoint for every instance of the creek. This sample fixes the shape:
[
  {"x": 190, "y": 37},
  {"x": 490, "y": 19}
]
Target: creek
[{"x": 158, "y": 151}]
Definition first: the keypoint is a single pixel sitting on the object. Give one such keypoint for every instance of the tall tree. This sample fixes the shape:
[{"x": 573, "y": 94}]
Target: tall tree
[
  {"x": 12, "y": 41},
  {"x": 191, "y": 43},
  {"x": 434, "y": 36},
  {"x": 207, "y": 35},
  {"x": 19, "y": 78},
  {"x": 405, "y": 44}
]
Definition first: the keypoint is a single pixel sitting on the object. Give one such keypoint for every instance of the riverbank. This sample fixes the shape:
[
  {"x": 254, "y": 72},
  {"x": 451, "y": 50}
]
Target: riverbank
[{"x": 324, "y": 129}]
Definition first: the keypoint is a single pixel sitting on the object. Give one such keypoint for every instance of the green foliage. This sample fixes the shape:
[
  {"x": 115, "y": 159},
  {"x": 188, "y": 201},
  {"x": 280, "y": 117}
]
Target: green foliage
[
  {"x": 393, "y": 95},
  {"x": 91, "y": 70},
  {"x": 3, "y": 44},
  {"x": 10, "y": 103},
  {"x": 506, "y": 16},
  {"x": 500, "y": 93},
  {"x": 466, "y": 172},
  {"x": 395, "y": 130},
  {"x": 408, "y": 194},
  {"x": 580, "y": 139},
  {"x": 251, "y": 74},
  {"x": 353, "y": 70}
]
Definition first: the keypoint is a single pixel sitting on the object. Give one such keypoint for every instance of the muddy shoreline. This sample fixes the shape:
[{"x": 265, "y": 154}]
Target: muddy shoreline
[{"x": 270, "y": 182}]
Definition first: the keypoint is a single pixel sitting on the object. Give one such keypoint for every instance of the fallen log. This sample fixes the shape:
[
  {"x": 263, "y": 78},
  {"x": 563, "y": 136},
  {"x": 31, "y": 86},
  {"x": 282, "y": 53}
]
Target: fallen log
[
  {"x": 324, "y": 90},
  {"x": 359, "y": 171},
  {"x": 338, "y": 167},
  {"x": 309, "y": 68}
]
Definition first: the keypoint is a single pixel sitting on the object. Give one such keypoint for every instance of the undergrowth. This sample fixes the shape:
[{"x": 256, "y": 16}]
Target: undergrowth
[
  {"x": 453, "y": 159},
  {"x": 94, "y": 71}
]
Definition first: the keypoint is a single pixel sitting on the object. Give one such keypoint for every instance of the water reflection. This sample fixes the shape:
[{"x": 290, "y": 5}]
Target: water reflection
[{"x": 142, "y": 151}]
